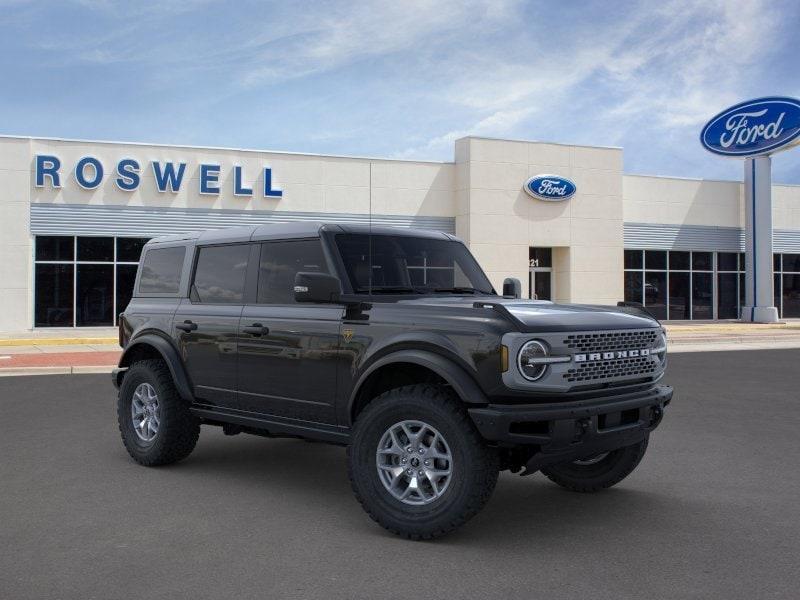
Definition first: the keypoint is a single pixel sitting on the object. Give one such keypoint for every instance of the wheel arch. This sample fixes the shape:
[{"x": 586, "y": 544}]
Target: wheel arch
[
  {"x": 418, "y": 364},
  {"x": 151, "y": 345}
]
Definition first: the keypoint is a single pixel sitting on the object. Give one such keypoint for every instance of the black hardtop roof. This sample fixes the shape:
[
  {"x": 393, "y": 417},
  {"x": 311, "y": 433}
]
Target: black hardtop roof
[{"x": 292, "y": 230}]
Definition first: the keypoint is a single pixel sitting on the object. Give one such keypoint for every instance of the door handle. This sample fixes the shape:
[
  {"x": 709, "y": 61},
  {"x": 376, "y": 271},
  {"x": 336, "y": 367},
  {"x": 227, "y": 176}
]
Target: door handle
[
  {"x": 187, "y": 326},
  {"x": 256, "y": 329}
]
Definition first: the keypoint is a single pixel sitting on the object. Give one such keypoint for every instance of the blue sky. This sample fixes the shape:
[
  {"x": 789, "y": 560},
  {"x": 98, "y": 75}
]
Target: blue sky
[{"x": 399, "y": 79}]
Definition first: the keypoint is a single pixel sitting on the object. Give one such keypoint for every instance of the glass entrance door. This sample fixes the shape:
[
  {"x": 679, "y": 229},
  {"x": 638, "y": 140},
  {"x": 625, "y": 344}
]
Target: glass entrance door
[
  {"x": 541, "y": 282},
  {"x": 540, "y": 277}
]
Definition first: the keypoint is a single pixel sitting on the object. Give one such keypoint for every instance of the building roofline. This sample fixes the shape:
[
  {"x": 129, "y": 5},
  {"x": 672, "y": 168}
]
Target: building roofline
[
  {"x": 737, "y": 181},
  {"x": 223, "y": 148},
  {"x": 496, "y": 139}
]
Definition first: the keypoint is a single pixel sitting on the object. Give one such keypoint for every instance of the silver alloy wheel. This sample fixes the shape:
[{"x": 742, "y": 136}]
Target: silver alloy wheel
[
  {"x": 591, "y": 460},
  {"x": 414, "y": 462},
  {"x": 145, "y": 412}
]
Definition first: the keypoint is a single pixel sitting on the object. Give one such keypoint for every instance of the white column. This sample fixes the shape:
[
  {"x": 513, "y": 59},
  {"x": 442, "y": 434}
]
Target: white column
[{"x": 759, "y": 299}]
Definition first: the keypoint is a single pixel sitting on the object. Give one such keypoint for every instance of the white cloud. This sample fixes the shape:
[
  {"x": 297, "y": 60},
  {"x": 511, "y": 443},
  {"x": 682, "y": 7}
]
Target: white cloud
[{"x": 670, "y": 65}]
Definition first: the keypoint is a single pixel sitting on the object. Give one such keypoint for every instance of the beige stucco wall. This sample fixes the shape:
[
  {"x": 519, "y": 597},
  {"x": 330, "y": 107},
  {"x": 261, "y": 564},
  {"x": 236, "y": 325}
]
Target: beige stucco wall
[
  {"x": 673, "y": 200},
  {"x": 501, "y": 221},
  {"x": 16, "y": 262},
  {"x": 309, "y": 183}
]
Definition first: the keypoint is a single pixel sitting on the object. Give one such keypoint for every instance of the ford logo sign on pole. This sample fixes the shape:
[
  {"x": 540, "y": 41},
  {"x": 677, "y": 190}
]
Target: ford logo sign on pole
[
  {"x": 754, "y": 130},
  {"x": 551, "y": 188}
]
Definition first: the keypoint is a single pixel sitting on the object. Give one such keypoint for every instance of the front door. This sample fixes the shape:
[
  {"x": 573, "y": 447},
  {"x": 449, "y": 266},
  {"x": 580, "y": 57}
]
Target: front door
[
  {"x": 207, "y": 323},
  {"x": 288, "y": 352},
  {"x": 540, "y": 278},
  {"x": 541, "y": 284}
]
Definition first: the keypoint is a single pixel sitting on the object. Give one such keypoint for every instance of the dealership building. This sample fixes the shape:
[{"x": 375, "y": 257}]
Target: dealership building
[{"x": 75, "y": 215}]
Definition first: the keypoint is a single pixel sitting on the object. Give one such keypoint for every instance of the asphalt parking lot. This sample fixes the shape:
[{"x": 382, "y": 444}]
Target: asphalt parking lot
[{"x": 712, "y": 512}]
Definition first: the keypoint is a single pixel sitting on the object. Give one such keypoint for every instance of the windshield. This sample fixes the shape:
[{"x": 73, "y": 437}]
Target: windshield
[{"x": 410, "y": 265}]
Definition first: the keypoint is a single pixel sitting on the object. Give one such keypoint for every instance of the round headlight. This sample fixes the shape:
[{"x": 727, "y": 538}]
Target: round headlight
[
  {"x": 527, "y": 360},
  {"x": 662, "y": 346}
]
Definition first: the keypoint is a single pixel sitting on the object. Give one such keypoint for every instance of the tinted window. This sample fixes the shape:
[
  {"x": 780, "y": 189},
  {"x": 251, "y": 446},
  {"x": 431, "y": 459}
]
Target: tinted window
[
  {"x": 219, "y": 276},
  {"x": 655, "y": 259},
  {"x": 405, "y": 264},
  {"x": 727, "y": 261},
  {"x": 633, "y": 287},
  {"x": 54, "y": 247},
  {"x": 130, "y": 249},
  {"x": 701, "y": 261},
  {"x": 126, "y": 275},
  {"x": 633, "y": 259},
  {"x": 280, "y": 262},
  {"x": 94, "y": 296},
  {"x": 161, "y": 270},
  {"x": 54, "y": 289},
  {"x": 791, "y": 262},
  {"x": 679, "y": 261},
  {"x": 96, "y": 249},
  {"x": 540, "y": 257}
]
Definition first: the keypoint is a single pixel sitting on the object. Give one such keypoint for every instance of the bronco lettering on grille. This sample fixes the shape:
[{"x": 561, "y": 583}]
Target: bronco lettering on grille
[{"x": 611, "y": 355}]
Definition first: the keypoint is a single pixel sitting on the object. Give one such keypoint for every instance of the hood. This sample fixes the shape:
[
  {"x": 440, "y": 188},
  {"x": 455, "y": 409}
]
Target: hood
[{"x": 541, "y": 316}]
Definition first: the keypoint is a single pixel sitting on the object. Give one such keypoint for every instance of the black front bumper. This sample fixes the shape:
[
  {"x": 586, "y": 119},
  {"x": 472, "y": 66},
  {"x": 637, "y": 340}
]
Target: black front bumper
[{"x": 560, "y": 432}]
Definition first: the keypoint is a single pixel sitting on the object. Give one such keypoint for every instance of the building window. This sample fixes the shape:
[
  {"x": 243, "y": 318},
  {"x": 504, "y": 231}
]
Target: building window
[
  {"x": 680, "y": 285},
  {"x": 787, "y": 284},
  {"x": 83, "y": 280},
  {"x": 730, "y": 287}
]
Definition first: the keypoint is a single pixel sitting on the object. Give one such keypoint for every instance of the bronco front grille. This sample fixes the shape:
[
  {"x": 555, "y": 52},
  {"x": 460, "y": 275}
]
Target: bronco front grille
[
  {"x": 611, "y": 340},
  {"x": 612, "y": 368}
]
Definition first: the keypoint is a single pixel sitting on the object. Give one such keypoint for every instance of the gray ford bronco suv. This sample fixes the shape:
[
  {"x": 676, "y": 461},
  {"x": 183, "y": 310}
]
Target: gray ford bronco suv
[{"x": 393, "y": 343}]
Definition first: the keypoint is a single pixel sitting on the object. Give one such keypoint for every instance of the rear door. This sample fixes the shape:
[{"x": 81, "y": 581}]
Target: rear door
[
  {"x": 288, "y": 352},
  {"x": 206, "y": 324}
]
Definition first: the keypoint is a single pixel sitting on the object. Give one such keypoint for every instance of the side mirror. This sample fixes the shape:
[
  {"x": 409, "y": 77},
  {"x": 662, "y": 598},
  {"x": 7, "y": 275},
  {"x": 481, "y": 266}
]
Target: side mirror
[
  {"x": 512, "y": 288},
  {"x": 317, "y": 287}
]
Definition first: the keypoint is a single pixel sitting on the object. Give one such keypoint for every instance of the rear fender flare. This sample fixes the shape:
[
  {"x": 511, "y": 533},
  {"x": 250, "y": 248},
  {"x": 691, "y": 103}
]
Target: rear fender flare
[{"x": 170, "y": 356}]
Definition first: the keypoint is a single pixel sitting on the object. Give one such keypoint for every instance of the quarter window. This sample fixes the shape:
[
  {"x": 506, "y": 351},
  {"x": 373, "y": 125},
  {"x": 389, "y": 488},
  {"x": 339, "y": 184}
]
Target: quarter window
[
  {"x": 220, "y": 274},
  {"x": 280, "y": 262},
  {"x": 161, "y": 270}
]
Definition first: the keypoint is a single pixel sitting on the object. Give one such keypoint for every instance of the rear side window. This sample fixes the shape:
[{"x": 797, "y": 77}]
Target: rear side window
[
  {"x": 219, "y": 276},
  {"x": 280, "y": 262},
  {"x": 161, "y": 270}
]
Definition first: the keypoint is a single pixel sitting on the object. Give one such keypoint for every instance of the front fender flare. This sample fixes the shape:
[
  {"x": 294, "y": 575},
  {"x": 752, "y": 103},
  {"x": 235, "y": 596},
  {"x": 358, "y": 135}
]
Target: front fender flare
[
  {"x": 462, "y": 382},
  {"x": 170, "y": 356}
]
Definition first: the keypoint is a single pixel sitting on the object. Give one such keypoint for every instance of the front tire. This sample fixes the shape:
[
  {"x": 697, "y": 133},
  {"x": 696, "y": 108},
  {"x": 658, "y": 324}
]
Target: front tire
[
  {"x": 595, "y": 473},
  {"x": 154, "y": 421},
  {"x": 417, "y": 464}
]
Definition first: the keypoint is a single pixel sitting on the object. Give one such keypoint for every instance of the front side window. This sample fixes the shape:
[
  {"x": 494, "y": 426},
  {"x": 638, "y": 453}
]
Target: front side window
[
  {"x": 220, "y": 273},
  {"x": 388, "y": 264},
  {"x": 161, "y": 270},
  {"x": 280, "y": 262}
]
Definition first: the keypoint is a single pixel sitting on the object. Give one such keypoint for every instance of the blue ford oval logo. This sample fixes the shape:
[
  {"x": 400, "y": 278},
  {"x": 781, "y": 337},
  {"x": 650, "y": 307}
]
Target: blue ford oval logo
[
  {"x": 754, "y": 127},
  {"x": 550, "y": 187}
]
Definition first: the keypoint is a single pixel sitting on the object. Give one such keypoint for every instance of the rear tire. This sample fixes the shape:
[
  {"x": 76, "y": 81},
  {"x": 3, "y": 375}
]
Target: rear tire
[
  {"x": 440, "y": 427},
  {"x": 154, "y": 421},
  {"x": 597, "y": 473}
]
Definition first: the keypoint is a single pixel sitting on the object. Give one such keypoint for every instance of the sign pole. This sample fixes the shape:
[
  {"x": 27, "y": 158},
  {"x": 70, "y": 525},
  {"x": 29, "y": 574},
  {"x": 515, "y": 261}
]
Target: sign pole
[{"x": 759, "y": 295}]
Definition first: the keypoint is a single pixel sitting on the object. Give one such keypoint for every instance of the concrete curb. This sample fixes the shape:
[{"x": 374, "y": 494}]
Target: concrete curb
[
  {"x": 88, "y": 341},
  {"x": 81, "y": 370}
]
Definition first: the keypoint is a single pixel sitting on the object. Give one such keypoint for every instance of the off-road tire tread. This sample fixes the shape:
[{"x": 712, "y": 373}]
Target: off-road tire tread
[
  {"x": 486, "y": 467},
  {"x": 630, "y": 459},
  {"x": 182, "y": 430}
]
